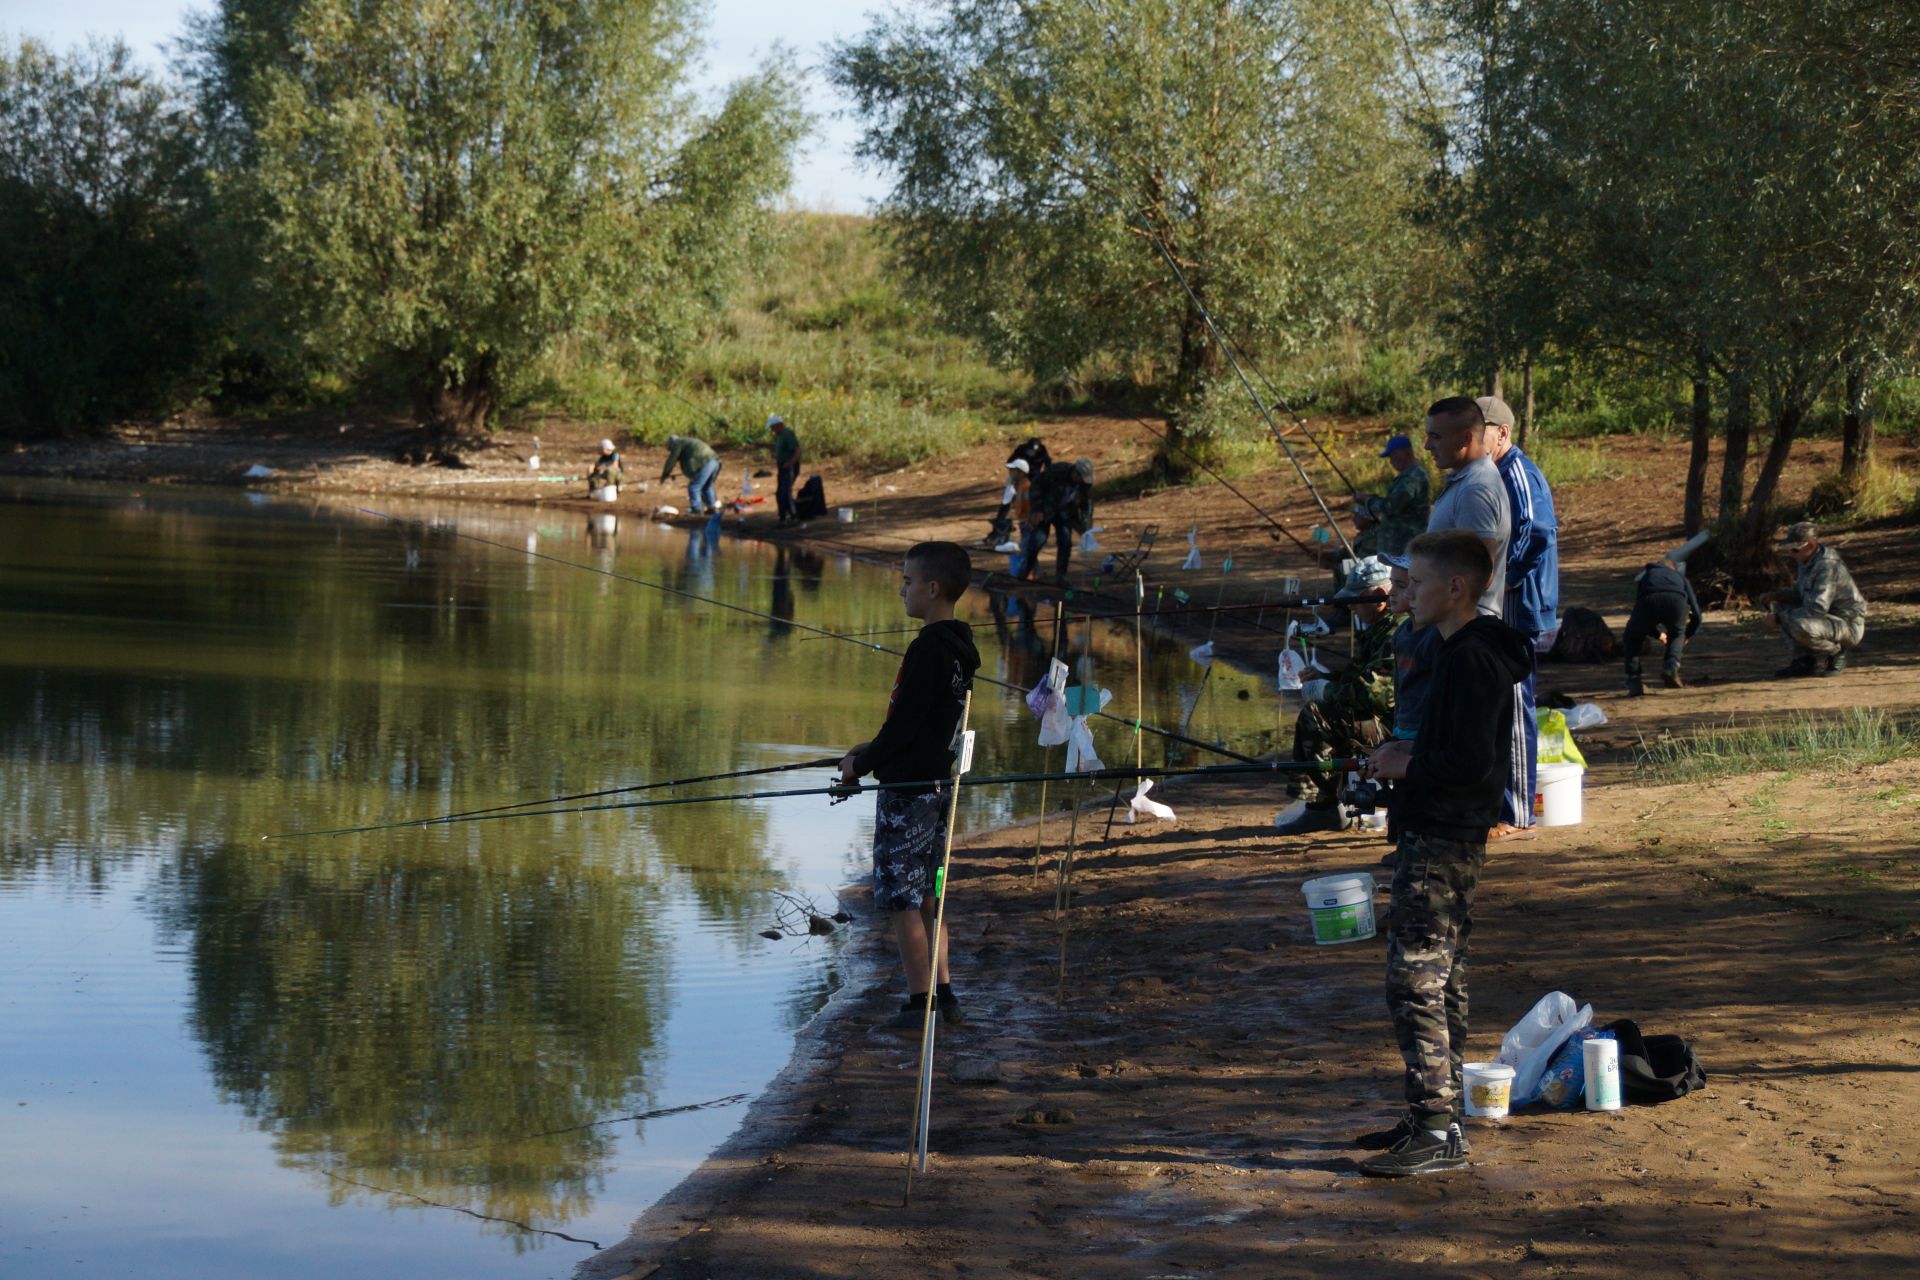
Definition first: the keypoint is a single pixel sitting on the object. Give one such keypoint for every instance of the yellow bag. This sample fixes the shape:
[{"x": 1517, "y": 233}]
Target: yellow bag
[{"x": 1556, "y": 740}]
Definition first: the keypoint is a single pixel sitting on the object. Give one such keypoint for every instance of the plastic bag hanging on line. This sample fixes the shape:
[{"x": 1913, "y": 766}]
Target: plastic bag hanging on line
[
  {"x": 1202, "y": 654},
  {"x": 1082, "y": 702},
  {"x": 1193, "y": 548},
  {"x": 1293, "y": 663},
  {"x": 1088, "y": 544},
  {"x": 1050, "y": 689},
  {"x": 1140, "y": 807}
]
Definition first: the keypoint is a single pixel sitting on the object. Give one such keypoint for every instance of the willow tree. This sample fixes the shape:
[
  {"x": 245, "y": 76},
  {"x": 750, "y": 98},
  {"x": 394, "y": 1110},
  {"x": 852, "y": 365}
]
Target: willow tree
[
  {"x": 1046, "y": 154},
  {"x": 436, "y": 192}
]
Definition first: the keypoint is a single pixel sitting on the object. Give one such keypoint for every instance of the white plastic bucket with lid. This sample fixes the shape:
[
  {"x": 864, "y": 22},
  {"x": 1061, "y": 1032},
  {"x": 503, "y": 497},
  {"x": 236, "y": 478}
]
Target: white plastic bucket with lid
[
  {"x": 607, "y": 493},
  {"x": 1489, "y": 1088},
  {"x": 1556, "y": 801},
  {"x": 1341, "y": 907}
]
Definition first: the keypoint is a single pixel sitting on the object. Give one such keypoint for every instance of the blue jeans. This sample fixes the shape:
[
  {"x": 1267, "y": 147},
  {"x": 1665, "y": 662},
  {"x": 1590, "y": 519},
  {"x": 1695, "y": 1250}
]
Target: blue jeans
[{"x": 700, "y": 489}]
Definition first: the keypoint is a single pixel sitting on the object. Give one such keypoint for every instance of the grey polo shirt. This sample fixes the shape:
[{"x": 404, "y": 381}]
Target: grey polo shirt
[{"x": 1475, "y": 499}]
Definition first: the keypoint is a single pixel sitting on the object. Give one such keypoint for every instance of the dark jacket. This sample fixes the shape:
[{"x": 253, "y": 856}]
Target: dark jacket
[
  {"x": 923, "y": 712},
  {"x": 1661, "y": 577},
  {"x": 1465, "y": 746}
]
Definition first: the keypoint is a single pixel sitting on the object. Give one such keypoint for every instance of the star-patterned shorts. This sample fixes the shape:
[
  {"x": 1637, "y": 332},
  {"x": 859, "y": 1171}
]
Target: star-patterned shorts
[{"x": 909, "y": 836}]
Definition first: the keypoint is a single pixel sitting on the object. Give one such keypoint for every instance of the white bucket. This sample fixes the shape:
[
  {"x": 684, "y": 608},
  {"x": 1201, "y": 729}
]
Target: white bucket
[
  {"x": 606, "y": 493},
  {"x": 1341, "y": 907},
  {"x": 845, "y": 515},
  {"x": 1556, "y": 802},
  {"x": 1489, "y": 1088}
]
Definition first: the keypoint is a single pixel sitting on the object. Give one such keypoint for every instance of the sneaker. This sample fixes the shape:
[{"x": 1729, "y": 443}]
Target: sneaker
[
  {"x": 911, "y": 1016},
  {"x": 951, "y": 1014},
  {"x": 1421, "y": 1151},
  {"x": 1672, "y": 680},
  {"x": 1837, "y": 663},
  {"x": 1804, "y": 665},
  {"x": 1387, "y": 1139}
]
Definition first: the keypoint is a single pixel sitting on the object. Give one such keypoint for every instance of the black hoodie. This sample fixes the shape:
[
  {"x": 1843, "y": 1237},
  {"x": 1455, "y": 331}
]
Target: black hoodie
[
  {"x": 1465, "y": 749},
  {"x": 917, "y": 740}
]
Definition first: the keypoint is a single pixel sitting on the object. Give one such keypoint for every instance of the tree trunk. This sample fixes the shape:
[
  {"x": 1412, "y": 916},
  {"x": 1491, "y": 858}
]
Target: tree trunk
[
  {"x": 1758, "y": 524},
  {"x": 455, "y": 405},
  {"x": 1526, "y": 399},
  {"x": 1491, "y": 385},
  {"x": 1733, "y": 463},
  {"x": 1856, "y": 448},
  {"x": 1694, "y": 517},
  {"x": 1200, "y": 362}
]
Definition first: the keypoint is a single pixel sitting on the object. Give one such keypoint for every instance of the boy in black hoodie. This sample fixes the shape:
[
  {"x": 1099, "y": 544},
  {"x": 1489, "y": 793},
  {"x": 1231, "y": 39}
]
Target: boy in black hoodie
[
  {"x": 1452, "y": 776},
  {"x": 916, "y": 743}
]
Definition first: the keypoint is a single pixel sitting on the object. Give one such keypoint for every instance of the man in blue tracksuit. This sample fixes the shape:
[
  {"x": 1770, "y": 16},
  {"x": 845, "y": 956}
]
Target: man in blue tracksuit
[{"x": 1532, "y": 598}]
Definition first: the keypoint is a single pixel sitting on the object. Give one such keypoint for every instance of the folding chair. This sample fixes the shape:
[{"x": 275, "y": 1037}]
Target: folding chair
[{"x": 1124, "y": 564}]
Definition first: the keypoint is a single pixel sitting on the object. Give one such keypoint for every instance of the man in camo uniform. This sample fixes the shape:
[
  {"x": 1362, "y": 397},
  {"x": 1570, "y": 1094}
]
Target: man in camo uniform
[
  {"x": 1388, "y": 523},
  {"x": 1355, "y": 711},
  {"x": 1823, "y": 615}
]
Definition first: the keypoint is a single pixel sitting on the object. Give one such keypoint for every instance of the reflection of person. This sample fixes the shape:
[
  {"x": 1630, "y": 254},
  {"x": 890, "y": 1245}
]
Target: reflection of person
[
  {"x": 1822, "y": 615},
  {"x": 1350, "y": 716},
  {"x": 1452, "y": 777},
  {"x": 1664, "y": 605},
  {"x": 1032, "y": 459},
  {"x": 1061, "y": 501},
  {"x": 781, "y": 606},
  {"x": 700, "y": 465},
  {"x": 1533, "y": 595},
  {"x": 1388, "y": 522},
  {"x": 606, "y": 470},
  {"x": 786, "y": 465},
  {"x": 916, "y": 743}
]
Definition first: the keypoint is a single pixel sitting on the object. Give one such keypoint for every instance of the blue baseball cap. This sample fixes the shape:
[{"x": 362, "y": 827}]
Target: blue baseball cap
[{"x": 1398, "y": 442}]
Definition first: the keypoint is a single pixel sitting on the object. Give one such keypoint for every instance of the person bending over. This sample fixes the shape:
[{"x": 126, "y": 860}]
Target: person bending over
[
  {"x": 1451, "y": 778},
  {"x": 1664, "y": 605}
]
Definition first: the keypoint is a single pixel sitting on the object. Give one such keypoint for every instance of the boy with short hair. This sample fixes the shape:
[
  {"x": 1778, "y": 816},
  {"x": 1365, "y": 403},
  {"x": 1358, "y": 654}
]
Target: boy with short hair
[
  {"x": 917, "y": 743},
  {"x": 1452, "y": 776}
]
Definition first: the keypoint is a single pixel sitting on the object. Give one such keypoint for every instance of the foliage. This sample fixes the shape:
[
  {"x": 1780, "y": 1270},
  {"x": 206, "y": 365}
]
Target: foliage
[
  {"x": 1880, "y": 489},
  {"x": 1855, "y": 739},
  {"x": 441, "y": 191},
  {"x": 101, "y": 309},
  {"x": 1047, "y": 155}
]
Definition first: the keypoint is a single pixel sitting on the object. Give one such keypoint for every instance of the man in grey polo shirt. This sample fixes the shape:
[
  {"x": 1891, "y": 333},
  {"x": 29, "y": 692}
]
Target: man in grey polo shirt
[{"x": 1475, "y": 498}]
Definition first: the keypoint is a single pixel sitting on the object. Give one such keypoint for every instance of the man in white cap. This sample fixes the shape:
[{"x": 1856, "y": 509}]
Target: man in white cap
[
  {"x": 1532, "y": 600},
  {"x": 606, "y": 470},
  {"x": 786, "y": 466},
  {"x": 1029, "y": 458},
  {"x": 1822, "y": 616}
]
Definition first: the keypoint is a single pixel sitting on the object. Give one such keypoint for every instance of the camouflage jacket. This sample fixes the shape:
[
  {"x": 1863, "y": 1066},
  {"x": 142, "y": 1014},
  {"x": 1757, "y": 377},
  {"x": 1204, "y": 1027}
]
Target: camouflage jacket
[
  {"x": 1402, "y": 513},
  {"x": 1825, "y": 585},
  {"x": 1363, "y": 689}
]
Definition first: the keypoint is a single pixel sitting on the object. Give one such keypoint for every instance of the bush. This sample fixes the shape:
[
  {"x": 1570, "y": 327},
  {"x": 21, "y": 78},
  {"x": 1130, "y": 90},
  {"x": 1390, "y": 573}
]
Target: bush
[{"x": 1881, "y": 489}]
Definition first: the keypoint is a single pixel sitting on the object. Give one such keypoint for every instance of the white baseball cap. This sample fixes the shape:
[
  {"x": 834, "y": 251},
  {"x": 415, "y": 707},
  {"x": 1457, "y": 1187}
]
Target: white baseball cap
[
  {"x": 606, "y": 446},
  {"x": 1020, "y": 464},
  {"x": 775, "y": 420}
]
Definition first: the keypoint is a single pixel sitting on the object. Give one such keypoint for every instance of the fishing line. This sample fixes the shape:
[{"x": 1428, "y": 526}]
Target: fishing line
[
  {"x": 1258, "y": 510},
  {"x": 768, "y": 617},
  {"x": 841, "y": 792},
  {"x": 1233, "y": 358}
]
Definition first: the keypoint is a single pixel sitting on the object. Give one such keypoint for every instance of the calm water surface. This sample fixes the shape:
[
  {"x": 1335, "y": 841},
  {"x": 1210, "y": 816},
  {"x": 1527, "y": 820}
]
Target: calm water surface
[{"x": 412, "y": 1052}]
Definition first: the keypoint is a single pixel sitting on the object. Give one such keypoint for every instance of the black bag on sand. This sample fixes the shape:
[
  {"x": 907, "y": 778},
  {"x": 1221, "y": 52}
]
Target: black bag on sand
[
  {"x": 1655, "y": 1069},
  {"x": 811, "y": 502}
]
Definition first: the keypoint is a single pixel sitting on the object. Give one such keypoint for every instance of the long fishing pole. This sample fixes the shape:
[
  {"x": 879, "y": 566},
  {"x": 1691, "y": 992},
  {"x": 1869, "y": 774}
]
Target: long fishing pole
[
  {"x": 1260, "y": 511},
  {"x": 841, "y": 791},
  {"x": 1273, "y": 428},
  {"x": 821, "y": 763},
  {"x": 764, "y": 616},
  {"x": 1273, "y": 393},
  {"x": 1285, "y": 602}
]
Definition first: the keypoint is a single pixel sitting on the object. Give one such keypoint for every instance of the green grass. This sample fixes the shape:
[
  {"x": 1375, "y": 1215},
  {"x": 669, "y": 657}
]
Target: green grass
[
  {"x": 1851, "y": 740},
  {"x": 1567, "y": 462},
  {"x": 1881, "y": 489}
]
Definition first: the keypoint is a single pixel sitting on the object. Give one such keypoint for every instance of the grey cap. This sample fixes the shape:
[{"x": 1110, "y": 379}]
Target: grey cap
[
  {"x": 1366, "y": 575},
  {"x": 1495, "y": 411},
  {"x": 1799, "y": 535},
  {"x": 1083, "y": 470}
]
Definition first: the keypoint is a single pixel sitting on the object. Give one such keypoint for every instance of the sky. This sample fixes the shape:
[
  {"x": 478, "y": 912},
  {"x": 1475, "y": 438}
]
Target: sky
[{"x": 826, "y": 175}]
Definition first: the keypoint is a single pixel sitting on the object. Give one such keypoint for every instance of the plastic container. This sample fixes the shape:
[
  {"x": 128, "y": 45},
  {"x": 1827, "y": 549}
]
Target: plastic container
[
  {"x": 1601, "y": 1058},
  {"x": 606, "y": 493},
  {"x": 1341, "y": 907},
  {"x": 1489, "y": 1088},
  {"x": 845, "y": 515},
  {"x": 1557, "y": 801}
]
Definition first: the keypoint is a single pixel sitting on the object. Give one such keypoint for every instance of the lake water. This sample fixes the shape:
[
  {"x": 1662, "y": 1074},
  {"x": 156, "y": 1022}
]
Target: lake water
[{"x": 414, "y": 1052}]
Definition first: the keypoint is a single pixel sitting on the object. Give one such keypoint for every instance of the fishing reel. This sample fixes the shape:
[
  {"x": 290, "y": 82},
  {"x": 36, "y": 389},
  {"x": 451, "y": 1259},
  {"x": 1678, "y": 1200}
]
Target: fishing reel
[
  {"x": 839, "y": 792},
  {"x": 1362, "y": 795}
]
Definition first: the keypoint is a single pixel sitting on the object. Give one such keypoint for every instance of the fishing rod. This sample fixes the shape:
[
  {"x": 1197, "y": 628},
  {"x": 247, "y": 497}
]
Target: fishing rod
[
  {"x": 1233, "y": 358},
  {"x": 821, "y": 763},
  {"x": 845, "y": 791},
  {"x": 1287, "y": 602},
  {"x": 1167, "y": 440},
  {"x": 1273, "y": 393},
  {"x": 764, "y": 616}
]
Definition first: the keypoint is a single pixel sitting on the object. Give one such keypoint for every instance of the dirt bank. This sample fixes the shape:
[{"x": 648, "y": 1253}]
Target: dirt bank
[{"x": 1199, "y": 1082}]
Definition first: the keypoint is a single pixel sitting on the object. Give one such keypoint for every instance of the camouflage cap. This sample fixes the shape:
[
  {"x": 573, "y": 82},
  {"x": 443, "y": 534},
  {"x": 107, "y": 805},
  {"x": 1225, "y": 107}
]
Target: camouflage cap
[
  {"x": 1366, "y": 575},
  {"x": 1799, "y": 535},
  {"x": 1495, "y": 411}
]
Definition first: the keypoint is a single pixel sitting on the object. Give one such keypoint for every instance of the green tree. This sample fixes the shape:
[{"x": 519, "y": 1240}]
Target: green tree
[
  {"x": 101, "y": 309},
  {"x": 1044, "y": 153},
  {"x": 435, "y": 193}
]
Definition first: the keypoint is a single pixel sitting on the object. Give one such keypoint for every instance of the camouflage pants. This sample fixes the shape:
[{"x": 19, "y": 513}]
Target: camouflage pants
[
  {"x": 1433, "y": 883},
  {"x": 1330, "y": 733},
  {"x": 1819, "y": 632}
]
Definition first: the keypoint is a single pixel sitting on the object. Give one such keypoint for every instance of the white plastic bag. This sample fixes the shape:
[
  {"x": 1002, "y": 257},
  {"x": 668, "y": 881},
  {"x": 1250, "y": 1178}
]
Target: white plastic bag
[
  {"x": 1202, "y": 654},
  {"x": 1193, "y": 549},
  {"x": 1141, "y": 807},
  {"x": 1088, "y": 543},
  {"x": 1529, "y": 1046},
  {"x": 1585, "y": 716}
]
